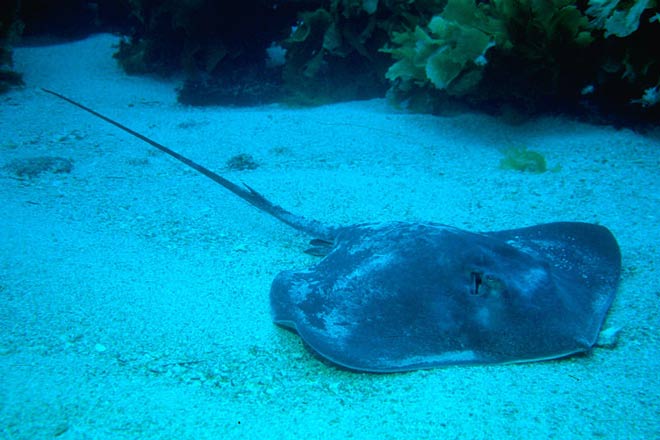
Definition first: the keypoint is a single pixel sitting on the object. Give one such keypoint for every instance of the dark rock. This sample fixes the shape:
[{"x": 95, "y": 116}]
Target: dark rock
[{"x": 34, "y": 166}]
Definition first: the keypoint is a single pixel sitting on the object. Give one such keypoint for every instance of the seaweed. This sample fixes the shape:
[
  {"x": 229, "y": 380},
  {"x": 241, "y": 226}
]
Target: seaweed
[
  {"x": 617, "y": 18},
  {"x": 630, "y": 74},
  {"x": 449, "y": 51},
  {"x": 10, "y": 78},
  {"x": 528, "y": 55},
  {"x": 522, "y": 159},
  {"x": 202, "y": 37},
  {"x": 591, "y": 58},
  {"x": 10, "y": 29},
  {"x": 332, "y": 54},
  {"x": 506, "y": 51}
]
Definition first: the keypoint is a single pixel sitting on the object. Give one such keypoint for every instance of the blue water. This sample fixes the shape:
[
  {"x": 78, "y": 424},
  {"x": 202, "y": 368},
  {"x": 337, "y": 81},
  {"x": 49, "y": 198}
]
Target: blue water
[{"x": 135, "y": 292}]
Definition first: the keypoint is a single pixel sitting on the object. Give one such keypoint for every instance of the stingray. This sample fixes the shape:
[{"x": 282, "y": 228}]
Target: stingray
[{"x": 398, "y": 296}]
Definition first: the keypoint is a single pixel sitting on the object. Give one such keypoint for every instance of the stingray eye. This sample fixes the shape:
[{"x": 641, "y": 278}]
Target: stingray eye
[
  {"x": 485, "y": 284},
  {"x": 477, "y": 280}
]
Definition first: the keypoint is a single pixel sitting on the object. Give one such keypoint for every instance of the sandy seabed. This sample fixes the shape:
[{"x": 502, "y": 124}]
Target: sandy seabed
[{"x": 134, "y": 292}]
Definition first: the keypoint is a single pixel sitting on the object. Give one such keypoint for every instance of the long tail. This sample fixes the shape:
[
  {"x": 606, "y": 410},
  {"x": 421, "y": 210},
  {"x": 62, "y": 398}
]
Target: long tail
[{"x": 311, "y": 227}]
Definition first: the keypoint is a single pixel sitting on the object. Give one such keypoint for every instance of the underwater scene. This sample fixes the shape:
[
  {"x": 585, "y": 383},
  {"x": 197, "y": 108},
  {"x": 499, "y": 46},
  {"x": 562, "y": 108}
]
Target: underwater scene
[{"x": 329, "y": 219}]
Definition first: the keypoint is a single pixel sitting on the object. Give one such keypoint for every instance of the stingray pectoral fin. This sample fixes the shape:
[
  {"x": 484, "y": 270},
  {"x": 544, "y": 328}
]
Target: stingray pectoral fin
[
  {"x": 572, "y": 247},
  {"x": 298, "y": 303},
  {"x": 585, "y": 262}
]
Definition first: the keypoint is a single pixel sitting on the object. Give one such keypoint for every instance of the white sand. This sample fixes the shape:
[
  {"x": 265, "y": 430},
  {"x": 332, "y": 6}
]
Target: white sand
[{"x": 134, "y": 292}]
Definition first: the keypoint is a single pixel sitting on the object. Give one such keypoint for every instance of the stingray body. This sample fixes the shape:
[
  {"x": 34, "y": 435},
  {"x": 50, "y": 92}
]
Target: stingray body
[{"x": 400, "y": 296}]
